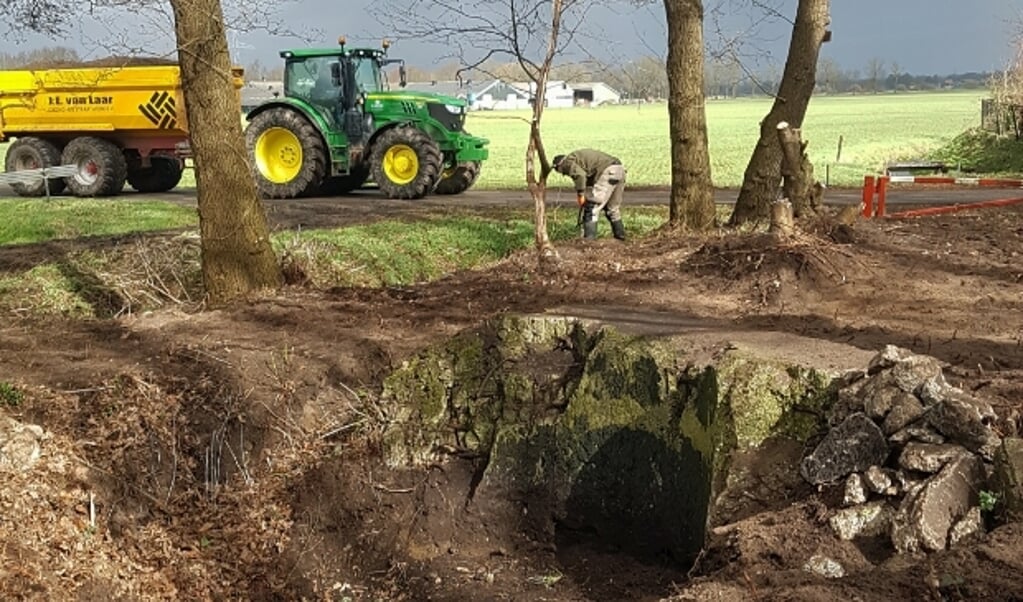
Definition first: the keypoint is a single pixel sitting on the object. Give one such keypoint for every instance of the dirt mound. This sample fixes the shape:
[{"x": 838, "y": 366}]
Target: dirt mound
[{"x": 771, "y": 269}]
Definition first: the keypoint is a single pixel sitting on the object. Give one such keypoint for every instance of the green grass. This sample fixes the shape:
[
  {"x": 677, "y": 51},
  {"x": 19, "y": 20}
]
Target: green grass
[
  {"x": 874, "y": 128},
  {"x": 109, "y": 282},
  {"x": 984, "y": 152},
  {"x": 396, "y": 253},
  {"x": 35, "y": 220}
]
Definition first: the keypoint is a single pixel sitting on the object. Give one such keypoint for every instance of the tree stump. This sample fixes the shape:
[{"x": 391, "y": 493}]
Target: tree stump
[
  {"x": 782, "y": 222},
  {"x": 805, "y": 194}
]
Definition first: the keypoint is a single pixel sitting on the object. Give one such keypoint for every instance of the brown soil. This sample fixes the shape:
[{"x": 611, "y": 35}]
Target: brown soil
[{"x": 234, "y": 453}]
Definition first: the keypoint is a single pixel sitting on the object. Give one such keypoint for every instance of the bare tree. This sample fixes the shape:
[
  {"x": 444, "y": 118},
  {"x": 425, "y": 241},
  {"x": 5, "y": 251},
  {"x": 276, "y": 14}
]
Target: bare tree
[
  {"x": 828, "y": 74},
  {"x": 1007, "y": 93},
  {"x": 763, "y": 172},
  {"x": 692, "y": 198},
  {"x": 237, "y": 257},
  {"x": 528, "y": 33},
  {"x": 875, "y": 70},
  {"x": 46, "y": 55}
]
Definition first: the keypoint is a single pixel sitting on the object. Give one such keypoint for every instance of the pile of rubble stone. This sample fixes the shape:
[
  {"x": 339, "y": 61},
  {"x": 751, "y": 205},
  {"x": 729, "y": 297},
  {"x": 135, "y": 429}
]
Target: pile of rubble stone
[{"x": 920, "y": 459}]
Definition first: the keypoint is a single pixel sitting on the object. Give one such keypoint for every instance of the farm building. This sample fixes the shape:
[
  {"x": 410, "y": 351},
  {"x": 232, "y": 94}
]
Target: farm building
[
  {"x": 495, "y": 95},
  {"x": 488, "y": 95},
  {"x": 595, "y": 94}
]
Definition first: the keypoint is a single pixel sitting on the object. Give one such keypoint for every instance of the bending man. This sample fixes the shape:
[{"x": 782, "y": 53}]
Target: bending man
[{"x": 604, "y": 176}]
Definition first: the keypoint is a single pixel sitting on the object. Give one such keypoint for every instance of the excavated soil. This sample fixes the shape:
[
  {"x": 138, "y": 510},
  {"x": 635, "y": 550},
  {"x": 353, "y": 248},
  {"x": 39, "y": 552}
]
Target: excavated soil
[{"x": 234, "y": 454}]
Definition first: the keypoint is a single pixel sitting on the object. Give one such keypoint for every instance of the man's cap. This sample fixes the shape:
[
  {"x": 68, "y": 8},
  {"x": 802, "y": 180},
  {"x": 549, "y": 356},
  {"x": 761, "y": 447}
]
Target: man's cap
[{"x": 557, "y": 160}]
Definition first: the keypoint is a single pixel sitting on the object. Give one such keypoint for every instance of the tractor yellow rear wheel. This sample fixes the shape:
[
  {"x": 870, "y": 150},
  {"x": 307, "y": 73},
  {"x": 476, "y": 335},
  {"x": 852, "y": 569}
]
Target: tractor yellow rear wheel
[{"x": 288, "y": 154}]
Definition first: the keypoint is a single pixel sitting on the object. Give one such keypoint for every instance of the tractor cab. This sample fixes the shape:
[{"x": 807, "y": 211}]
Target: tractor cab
[{"x": 325, "y": 77}]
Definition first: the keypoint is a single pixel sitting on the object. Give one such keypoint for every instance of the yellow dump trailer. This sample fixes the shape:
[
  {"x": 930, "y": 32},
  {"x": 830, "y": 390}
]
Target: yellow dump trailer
[{"x": 117, "y": 124}]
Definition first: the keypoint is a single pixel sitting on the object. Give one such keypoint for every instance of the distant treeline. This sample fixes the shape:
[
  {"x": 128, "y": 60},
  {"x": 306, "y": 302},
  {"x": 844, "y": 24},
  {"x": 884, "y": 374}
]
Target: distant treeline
[{"x": 643, "y": 78}]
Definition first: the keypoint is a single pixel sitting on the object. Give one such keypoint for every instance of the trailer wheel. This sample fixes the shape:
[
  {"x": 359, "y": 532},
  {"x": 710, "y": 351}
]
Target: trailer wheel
[
  {"x": 34, "y": 153},
  {"x": 102, "y": 168},
  {"x": 406, "y": 163},
  {"x": 459, "y": 179},
  {"x": 288, "y": 154},
  {"x": 345, "y": 184},
  {"x": 163, "y": 174}
]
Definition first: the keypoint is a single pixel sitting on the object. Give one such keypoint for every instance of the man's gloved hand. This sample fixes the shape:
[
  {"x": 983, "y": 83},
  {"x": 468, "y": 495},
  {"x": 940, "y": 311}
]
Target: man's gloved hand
[{"x": 580, "y": 198}]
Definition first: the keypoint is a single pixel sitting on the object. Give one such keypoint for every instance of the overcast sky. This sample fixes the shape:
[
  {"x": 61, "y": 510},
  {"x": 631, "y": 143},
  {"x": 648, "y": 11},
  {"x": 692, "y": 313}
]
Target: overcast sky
[{"x": 922, "y": 36}]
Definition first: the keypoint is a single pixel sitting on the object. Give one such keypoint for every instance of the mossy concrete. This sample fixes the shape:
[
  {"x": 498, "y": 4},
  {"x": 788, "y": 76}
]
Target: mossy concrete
[{"x": 621, "y": 436}]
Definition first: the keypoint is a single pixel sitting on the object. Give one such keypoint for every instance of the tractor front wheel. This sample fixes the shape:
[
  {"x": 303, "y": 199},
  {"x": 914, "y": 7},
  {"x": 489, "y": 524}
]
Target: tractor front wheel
[
  {"x": 459, "y": 179},
  {"x": 406, "y": 163},
  {"x": 34, "y": 153},
  {"x": 288, "y": 154},
  {"x": 102, "y": 168}
]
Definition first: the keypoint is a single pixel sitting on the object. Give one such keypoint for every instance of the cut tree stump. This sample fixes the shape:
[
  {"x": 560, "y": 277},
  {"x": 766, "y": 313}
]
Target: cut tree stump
[{"x": 798, "y": 184}]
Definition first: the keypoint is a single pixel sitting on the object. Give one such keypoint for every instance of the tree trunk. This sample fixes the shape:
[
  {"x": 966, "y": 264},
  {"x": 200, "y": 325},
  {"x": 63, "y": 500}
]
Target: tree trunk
[
  {"x": 798, "y": 185},
  {"x": 760, "y": 182},
  {"x": 236, "y": 254},
  {"x": 538, "y": 190},
  {"x": 538, "y": 185},
  {"x": 692, "y": 198}
]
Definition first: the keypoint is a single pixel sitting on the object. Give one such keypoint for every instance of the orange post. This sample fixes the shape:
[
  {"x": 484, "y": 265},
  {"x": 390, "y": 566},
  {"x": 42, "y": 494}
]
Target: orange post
[
  {"x": 868, "y": 196},
  {"x": 882, "y": 192}
]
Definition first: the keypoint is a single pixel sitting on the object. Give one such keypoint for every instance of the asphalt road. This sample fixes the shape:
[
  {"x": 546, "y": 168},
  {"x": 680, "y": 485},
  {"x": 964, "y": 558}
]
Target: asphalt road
[{"x": 368, "y": 202}]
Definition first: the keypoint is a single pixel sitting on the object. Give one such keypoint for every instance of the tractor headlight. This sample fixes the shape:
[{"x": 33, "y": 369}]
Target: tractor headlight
[{"x": 454, "y": 109}]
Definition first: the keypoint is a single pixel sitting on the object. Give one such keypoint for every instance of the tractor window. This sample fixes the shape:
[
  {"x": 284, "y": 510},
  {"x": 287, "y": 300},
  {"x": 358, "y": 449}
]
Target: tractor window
[
  {"x": 367, "y": 74},
  {"x": 309, "y": 79}
]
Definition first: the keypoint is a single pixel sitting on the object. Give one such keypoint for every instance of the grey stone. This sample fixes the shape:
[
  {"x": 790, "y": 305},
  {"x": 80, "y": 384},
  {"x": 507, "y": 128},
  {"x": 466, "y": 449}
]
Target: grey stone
[
  {"x": 965, "y": 419},
  {"x": 19, "y": 445},
  {"x": 910, "y": 373},
  {"x": 879, "y": 481},
  {"x": 855, "y": 493},
  {"x": 908, "y": 481},
  {"x": 919, "y": 431},
  {"x": 934, "y": 391},
  {"x": 967, "y": 526},
  {"x": 853, "y": 446},
  {"x": 905, "y": 410},
  {"x": 886, "y": 358},
  {"x": 824, "y": 566},
  {"x": 865, "y": 520},
  {"x": 878, "y": 400},
  {"x": 903, "y": 530},
  {"x": 906, "y": 369},
  {"x": 927, "y": 457},
  {"x": 1007, "y": 478},
  {"x": 926, "y": 517}
]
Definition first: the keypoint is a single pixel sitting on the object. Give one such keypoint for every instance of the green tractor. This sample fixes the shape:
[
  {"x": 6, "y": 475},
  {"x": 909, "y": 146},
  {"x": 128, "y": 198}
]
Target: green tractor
[{"x": 338, "y": 126}]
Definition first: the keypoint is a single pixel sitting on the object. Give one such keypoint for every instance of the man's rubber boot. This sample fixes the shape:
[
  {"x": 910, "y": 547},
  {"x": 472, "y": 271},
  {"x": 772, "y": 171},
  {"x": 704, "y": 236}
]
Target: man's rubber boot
[
  {"x": 589, "y": 230},
  {"x": 618, "y": 229}
]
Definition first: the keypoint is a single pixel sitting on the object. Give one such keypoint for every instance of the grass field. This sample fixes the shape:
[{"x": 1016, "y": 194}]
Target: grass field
[{"x": 874, "y": 129}]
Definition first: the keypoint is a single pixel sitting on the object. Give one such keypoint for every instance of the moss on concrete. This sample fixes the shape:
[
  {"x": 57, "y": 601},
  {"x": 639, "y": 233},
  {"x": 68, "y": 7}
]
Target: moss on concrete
[
  {"x": 769, "y": 398},
  {"x": 593, "y": 420}
]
